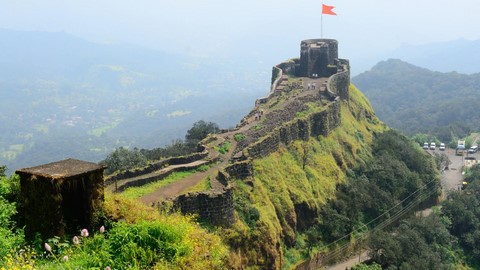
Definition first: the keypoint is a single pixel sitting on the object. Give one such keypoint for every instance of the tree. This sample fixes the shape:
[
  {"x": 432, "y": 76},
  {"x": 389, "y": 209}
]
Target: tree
[
  {"x": 199, "y": 131},
  {"x": 124, "y": 159}
]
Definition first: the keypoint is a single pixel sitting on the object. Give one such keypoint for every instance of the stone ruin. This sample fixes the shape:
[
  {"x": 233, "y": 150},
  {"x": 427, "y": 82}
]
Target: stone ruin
[{"x": 61, "y": 197}]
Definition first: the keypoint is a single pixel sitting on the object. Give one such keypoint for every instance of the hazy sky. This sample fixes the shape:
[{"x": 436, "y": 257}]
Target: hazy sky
[{"x": 363, "y": 28}]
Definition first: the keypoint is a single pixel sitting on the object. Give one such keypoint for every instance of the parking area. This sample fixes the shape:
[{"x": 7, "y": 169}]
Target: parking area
[{"x": 452, "y": 178}]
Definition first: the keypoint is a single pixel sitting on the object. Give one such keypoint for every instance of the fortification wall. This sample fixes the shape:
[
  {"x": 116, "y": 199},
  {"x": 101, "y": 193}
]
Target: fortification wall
[
  {"x": 215, "y": 206},
  {"x": 315, "y": 124},
  {"x": 338, "y": 83},
  {"x": 157, "y": 166}
]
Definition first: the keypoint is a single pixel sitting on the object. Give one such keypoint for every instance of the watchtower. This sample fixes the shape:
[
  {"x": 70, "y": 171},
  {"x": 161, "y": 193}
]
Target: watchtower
[
  {"x": 61, "y": 197},
  {"x": 318, "y": 56}
]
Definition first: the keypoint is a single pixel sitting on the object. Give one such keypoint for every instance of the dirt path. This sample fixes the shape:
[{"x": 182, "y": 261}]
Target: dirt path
[{"x": 181, "y": 186}]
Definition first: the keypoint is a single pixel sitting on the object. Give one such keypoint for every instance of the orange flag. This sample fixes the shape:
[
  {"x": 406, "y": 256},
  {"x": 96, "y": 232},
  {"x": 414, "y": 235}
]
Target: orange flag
[{"x": 328, "y": 10}]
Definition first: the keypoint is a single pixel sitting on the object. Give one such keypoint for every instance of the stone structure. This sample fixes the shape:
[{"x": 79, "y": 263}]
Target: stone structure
[
  {"x": 215, "y": 207},
  {"x": 318, "y": 56},
  {"x": 60, "y": 197}
]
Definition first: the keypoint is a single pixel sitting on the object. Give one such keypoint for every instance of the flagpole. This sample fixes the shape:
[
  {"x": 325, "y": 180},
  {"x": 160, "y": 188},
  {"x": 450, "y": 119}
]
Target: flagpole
[{"x": 321, "y": 23}]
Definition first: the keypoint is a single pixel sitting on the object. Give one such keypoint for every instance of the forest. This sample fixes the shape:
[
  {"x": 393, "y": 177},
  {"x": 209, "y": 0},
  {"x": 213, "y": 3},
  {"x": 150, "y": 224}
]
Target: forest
[{"x": 417, "y": 100}]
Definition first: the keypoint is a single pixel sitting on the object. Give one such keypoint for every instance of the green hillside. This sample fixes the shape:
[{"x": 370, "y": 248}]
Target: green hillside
[
  {"x": 416, "y": 100},
  {"x": 310, "y": 194}
]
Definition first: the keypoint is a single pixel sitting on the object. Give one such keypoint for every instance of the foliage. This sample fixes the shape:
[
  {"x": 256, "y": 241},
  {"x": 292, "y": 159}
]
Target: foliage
[
  {"x": 463, "y": 212},
  {"x": 123, "y": 159},
  {"x": 396, "y": 170},
  {"x": 418, "y": 243},
  {"x": 145, "y": 239},
  {"x": 199, "y": 131},
  {"x": 239, "y": 137},
  {"x": 282, "y": 202},
  {"x": 195, "y": 134},
  {"x": 416, "y": 100},
  {"x": 175, "y": 149},
  {"x": 224, "y": 147},
  {"x": 362, "y": 266},
  {"x": 11, "y": 237}
]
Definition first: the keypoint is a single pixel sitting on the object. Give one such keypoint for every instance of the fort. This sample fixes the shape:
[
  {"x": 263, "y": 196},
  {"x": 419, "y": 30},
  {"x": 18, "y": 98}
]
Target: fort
[{"x": 280, "y": 118}]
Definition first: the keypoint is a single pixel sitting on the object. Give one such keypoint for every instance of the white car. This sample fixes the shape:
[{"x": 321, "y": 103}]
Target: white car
[
  {"x": 425, "y": 146},
  {"x": 433, "y": 146},
  {"x": 442, "y": 146}
]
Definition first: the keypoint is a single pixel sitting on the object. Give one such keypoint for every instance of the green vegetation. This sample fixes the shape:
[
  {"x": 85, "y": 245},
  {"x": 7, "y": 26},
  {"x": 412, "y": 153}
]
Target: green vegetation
[
  {"x": 463, "y": 216},
  {"x": 279, "y": 212},
  {"x": 137, "y": 192},
  {"x": 446, "y": 239},
  {"x": 199, "y": 131},
  {"x": 123, "y": 159},
  {"x": 239, "y": 137},
  {"x": 194, "y": 135},
  {"x": 416, "y": 100},
  {"x": 144, "y": 239},
  {"x": 224, "y": 147},
  {"x": 204, "y": 185}
]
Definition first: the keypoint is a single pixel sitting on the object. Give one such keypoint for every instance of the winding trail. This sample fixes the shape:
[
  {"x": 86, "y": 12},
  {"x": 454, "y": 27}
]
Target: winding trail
[{"x": 182, "y": 186}]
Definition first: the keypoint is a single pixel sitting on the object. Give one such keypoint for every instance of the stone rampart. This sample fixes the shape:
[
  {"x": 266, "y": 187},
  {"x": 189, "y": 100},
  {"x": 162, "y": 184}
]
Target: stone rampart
[
  {"x": 314, "y": 124},
  {"x": 214, "y": 206},
  {"x": 156, "y": 166},
  {"x": 241, "y": 170},
  {"x": 338, "y": 83}
]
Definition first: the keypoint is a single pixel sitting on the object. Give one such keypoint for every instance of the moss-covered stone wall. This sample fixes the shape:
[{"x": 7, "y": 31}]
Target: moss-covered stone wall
[{"x": 214, "y": 206}]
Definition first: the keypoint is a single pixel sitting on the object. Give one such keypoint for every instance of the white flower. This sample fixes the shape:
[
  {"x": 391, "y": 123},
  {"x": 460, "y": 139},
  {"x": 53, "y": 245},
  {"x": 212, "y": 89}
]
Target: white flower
[
  {"x": 108, "y": 268},
  {"x": 84, "y": 233},
  {"x": 102, "y": 229},
  {"x": 76, "y": 241},
  {"x": 48, "y": 248},
  {"x": 65, "y": 258}
]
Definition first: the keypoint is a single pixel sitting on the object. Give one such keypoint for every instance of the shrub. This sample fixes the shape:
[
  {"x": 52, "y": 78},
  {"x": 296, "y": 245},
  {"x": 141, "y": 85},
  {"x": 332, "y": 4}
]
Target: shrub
[{"x": 239, "y": 137}]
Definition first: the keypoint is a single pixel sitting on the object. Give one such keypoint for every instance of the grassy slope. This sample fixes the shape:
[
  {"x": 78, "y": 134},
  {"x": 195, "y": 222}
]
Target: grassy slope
[{"x": 304, "y": 174}]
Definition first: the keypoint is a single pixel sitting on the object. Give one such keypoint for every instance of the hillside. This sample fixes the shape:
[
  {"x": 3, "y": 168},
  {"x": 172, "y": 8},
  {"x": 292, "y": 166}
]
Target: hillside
[
  {"x": 63, "y": 96},
  {"x": 307, "y": 171},
  {"x": 416, "y": 100}
]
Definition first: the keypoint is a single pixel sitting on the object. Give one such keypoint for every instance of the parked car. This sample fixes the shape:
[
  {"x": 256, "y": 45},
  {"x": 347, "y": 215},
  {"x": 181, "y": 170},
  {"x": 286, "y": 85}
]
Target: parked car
[
  {"x": 425, "y": 146},
  {"x": 433, "y": 146},
  {"x": 473, "y": 149},
  {"x": 442, "y": 146}
]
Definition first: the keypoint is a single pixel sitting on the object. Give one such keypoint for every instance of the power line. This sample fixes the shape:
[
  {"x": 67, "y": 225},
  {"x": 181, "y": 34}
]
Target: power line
[{"x": 414, "y": 202}]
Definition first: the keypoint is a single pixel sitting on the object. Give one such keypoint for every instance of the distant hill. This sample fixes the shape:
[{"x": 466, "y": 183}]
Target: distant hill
[
  {"x": 63, "y": 96},
  {"x": 460, "y": 55},
  {"x": 417, "y": 100}
]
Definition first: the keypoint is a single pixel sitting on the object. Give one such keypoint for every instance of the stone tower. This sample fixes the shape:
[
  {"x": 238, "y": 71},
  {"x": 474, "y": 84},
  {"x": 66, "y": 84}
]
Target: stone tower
[
  {"x": 318, "y": 56},
  {"x": 61, "y": 197}
]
